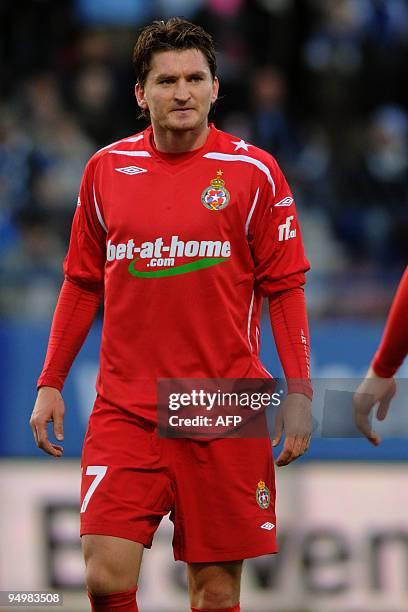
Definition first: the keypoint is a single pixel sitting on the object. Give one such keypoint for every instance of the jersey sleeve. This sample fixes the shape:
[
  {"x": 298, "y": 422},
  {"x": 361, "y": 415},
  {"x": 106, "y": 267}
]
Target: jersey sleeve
[
  {"x": 85, "y": 260},
  {"x": 75, "y": 311},
  {"x": 290, "y": 329},
  {"x": 394, "y": 343},
  {"x": 82, "y": 289},
  {"x": 274, "y": 236}
]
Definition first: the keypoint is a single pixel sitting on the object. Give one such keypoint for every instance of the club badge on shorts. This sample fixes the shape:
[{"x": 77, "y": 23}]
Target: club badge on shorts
[
  {"x": 216, "y": 196},
  {"x": 263, "y": 497}
]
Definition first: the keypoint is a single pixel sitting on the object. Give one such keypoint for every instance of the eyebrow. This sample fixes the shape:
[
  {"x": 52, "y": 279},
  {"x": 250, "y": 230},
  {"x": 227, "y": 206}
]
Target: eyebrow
[{"x": 164, "y": 75}]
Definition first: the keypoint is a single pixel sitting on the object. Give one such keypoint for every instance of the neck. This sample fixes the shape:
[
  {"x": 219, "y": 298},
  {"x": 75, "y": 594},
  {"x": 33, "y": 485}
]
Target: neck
[{"x": 178, "y": 141}]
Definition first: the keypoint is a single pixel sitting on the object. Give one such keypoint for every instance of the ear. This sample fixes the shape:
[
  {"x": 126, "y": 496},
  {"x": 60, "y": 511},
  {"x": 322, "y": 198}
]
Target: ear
[
  {"x": 140, "y": 96},
  {"x": 216, "y": 87}
]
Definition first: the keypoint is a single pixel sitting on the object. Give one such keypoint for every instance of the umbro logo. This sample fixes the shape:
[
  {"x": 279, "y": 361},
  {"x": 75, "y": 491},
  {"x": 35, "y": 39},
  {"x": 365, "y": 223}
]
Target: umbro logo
[
  {"x": 285, "y": 202},
  {"x": 131, "y": 170},
  {"x": 267, "y": 526}
]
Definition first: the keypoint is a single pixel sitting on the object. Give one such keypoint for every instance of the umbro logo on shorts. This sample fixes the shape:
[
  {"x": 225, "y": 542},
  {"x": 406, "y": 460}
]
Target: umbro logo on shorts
[
  {"x": 131, "y": 170},
  {"x": 267, "y": 526}
]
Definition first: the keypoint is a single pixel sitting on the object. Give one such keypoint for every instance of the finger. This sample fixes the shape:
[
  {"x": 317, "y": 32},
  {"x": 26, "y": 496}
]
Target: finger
[
  {"x": 59, "y": 426},
  {"x": 45, "y": 444},
  {"x": 372, "y": 437},
  {"x": 33, "y": 427},
  {"x": 286, "y": 454},
  {"x": 363, "y": 425},
  {"x": 383, "y": 408},
  {"x": 306, "y": 443},
  {"x": 299, "y": 447},
  {"x": 363, "y": 404},
  {"x": 362, "y": 422},
  {"x": 278, "y": 430}
]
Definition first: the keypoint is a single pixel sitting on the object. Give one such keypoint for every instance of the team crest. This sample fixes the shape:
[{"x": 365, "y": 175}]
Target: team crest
[
  {"x": 263, "y": 497},
  {"x": 216, "y": 196}
]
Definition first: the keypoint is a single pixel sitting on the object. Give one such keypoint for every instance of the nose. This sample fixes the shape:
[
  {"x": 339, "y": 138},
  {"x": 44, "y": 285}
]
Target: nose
[{"x": 182, "y": 91}]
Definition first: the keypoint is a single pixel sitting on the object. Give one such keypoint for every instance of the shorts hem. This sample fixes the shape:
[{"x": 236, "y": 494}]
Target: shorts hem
[
  {"x": 115, "y": 531},
  {"x": 234, "y": 555}
]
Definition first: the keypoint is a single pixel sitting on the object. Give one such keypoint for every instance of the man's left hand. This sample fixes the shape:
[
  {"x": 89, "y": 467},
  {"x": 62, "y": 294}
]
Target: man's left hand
[{"x": 294, "y": 419}]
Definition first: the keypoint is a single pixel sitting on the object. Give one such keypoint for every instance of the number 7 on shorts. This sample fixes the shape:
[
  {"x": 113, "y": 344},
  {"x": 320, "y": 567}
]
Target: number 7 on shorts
[{"x": 93, "y": 470}]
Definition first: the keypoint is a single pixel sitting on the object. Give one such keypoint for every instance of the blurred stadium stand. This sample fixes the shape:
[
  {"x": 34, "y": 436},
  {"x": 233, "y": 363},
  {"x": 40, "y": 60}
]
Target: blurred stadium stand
[{"x": 319, "y": 84}]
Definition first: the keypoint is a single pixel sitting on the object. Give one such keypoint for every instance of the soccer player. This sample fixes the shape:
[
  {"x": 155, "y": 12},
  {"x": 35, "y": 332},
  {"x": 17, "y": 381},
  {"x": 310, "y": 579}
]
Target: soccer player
[
  {"x": 379, "y": 385},
  {"x": 184, "y": 229}
]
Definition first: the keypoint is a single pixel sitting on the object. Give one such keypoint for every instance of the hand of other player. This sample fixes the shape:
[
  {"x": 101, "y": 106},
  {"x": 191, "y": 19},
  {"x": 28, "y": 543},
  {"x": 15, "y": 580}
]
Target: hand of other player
[
  {"x": 294, "y": 419},
  {"x": 48, "y": 407},
  {"x": 374, "y": 389}
]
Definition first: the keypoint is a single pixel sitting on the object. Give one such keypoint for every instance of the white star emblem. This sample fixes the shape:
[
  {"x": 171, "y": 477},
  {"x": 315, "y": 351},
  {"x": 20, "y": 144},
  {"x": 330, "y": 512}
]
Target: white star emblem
[{"x": 241, "y": 144}]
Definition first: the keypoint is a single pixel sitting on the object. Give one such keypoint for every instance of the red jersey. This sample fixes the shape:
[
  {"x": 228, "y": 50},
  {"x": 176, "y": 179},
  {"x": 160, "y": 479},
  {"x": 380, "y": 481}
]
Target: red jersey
[{"x": 185, "y": 247}]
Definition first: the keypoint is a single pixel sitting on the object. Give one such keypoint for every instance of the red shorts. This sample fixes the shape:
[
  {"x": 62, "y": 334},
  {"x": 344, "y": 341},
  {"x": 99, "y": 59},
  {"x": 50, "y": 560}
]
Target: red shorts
[{"x": 220, "y": 493}]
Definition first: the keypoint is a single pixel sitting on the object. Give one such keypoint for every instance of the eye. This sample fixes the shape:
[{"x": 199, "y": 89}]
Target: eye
[{"x": 166, "y": 81}]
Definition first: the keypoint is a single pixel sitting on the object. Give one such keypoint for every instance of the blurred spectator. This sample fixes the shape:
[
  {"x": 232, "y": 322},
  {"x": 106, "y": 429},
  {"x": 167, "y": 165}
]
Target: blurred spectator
[
  {"x": 31, "y": 273},
  {"x": 186, "y": 8},
  {"x": 271, "y": 128},
  {"x": 94, "y": 103},
  {"x": 67, "y": 150},
  {"x": 16, "y": 163},
  {"x": 118, "y": 13},
  {"x": 375, "y": 189},
  {"x": 333, "y": 60},
  {"x": 385, "y": 52}
]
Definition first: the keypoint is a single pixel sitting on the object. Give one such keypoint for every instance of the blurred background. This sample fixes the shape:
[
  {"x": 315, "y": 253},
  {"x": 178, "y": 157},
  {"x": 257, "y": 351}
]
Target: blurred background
[{"x": 322, "y": 85}]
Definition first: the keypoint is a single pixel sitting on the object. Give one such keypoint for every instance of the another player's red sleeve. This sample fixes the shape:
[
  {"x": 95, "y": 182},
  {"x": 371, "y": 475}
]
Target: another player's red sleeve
[
  {"x": 274, "y": 237},
  {"x": 291, "y": 332},
  {"x": 394, "y": 343},
  {"x": 82, "y": 289}
]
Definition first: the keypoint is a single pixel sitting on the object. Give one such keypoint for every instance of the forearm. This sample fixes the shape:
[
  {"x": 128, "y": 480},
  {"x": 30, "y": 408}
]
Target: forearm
[
  {"x": 394, "y": 343},
  {"x": 291, "y": 333},
  {"x": 74, "y": 313}
]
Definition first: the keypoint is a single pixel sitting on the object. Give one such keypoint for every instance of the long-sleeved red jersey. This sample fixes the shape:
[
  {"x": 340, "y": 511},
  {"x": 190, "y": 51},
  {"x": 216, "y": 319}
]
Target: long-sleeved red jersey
[{"x": 185, "y": 246}]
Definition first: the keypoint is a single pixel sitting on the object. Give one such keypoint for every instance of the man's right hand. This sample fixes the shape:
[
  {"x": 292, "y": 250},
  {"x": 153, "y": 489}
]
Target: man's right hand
[{"x": 48, "y": 407}]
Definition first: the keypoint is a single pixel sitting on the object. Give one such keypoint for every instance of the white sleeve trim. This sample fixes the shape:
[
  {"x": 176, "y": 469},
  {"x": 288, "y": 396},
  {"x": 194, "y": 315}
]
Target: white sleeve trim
[
  {"x": 244, "y": 158},
  {"x": 98, "y": 212},
  {"x": 251, "y": 212}
]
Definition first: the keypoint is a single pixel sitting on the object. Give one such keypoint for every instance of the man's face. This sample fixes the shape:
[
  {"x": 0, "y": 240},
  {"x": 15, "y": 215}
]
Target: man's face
[{"x": 178, "y": 91}]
